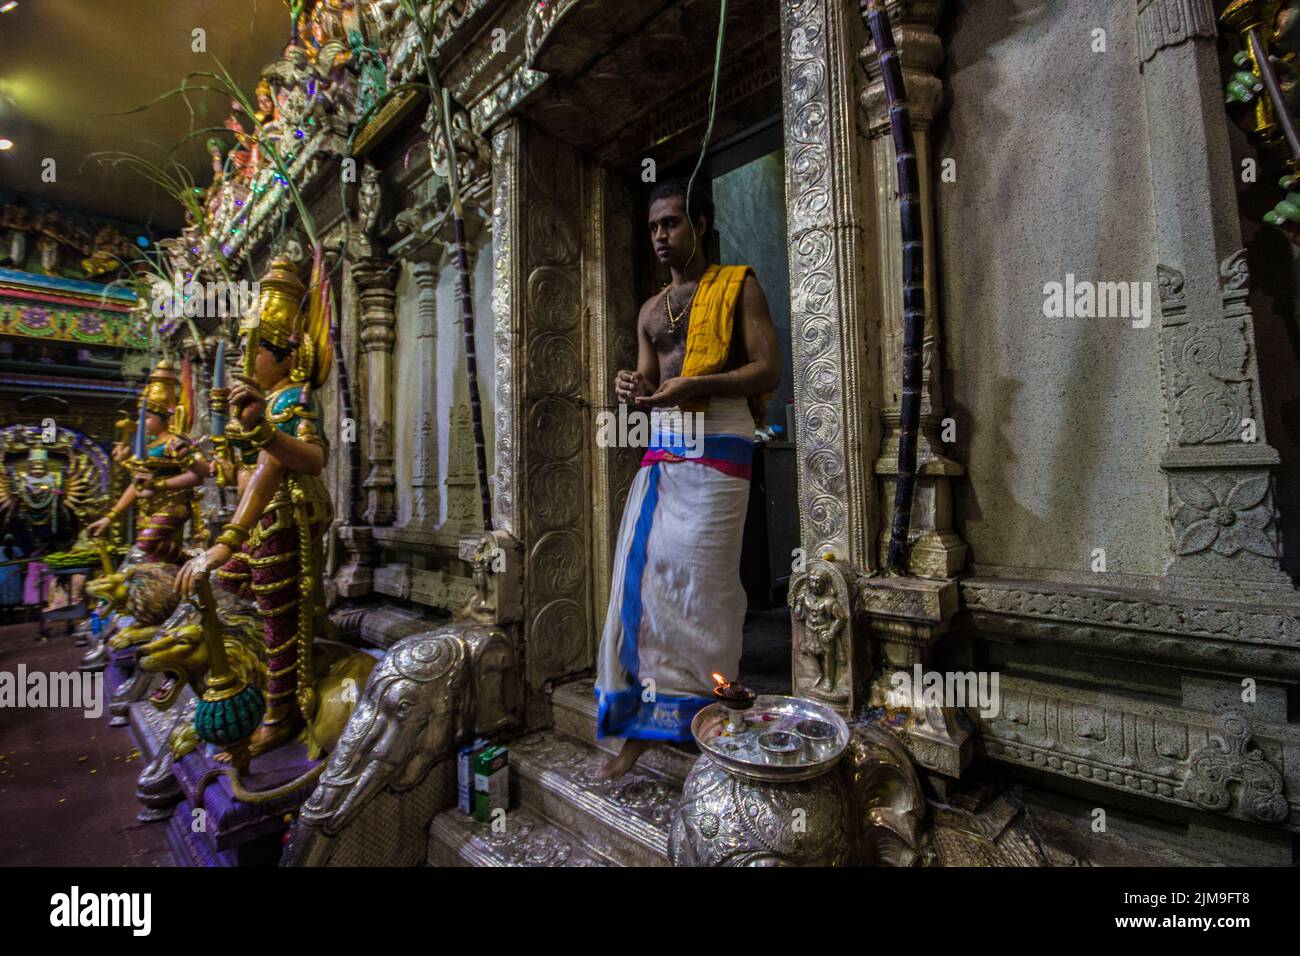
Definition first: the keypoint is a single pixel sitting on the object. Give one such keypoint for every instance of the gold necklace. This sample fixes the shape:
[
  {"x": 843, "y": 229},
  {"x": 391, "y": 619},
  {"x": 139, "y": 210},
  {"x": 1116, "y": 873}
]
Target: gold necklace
[{"x": 675, "y": 320}]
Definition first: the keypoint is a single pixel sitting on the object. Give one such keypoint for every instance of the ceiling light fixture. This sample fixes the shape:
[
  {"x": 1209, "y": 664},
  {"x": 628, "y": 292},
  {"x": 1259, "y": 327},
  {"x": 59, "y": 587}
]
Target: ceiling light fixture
[
  {"x": 9, "y": 6},
  {"x": 6, "y": 144}
]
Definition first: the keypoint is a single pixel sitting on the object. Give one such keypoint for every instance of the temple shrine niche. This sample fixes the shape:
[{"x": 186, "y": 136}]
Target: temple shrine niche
[{"x": 581, "y": 433}]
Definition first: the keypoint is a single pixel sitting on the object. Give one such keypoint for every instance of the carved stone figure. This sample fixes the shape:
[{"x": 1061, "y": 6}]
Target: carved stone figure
[
  {"x": 473, "y": 154},
  {"x": 140, "y": 595},
  {"x": 369, "y": 199},
  {"x": 109, "y": 252},
  {"x": 166, "y": 470},
  {"x": 820, "y": 602},
  {"x": 180, "y": 654}
]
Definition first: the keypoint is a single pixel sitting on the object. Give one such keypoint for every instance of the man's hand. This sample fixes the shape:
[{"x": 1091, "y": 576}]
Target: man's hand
[
  {"x": 211, "y": 559},
  {"x": 98, "y": 527},
  {"x": 121, "y": 452},
  {"x": 672, "y": 392},
  {"x": 628, "y": 385},
  {"x": 248, "y": 398}
]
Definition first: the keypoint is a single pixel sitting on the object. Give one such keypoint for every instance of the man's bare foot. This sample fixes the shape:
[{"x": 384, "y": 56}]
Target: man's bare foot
[{"x": 615, "y": 767}]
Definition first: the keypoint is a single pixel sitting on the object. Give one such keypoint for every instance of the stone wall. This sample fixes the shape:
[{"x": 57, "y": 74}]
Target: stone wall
[{"x": 1059, "y": 420}]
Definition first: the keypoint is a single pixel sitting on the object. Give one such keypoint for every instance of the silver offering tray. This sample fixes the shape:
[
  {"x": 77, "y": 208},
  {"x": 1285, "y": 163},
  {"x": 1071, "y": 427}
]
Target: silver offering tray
[{"x": 772, "y": 748}]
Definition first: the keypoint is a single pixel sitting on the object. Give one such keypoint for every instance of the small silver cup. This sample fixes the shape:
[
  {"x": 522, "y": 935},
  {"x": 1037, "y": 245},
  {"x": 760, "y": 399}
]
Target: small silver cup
[
  {"x": 781, "y": 747},
  {"x": 817, "y": 737}
]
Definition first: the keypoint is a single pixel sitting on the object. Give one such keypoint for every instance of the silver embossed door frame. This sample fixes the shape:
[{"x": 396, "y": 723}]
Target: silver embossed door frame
[
  {"x": 835, "y": 388},
  {"x": 543, "y": 481}
]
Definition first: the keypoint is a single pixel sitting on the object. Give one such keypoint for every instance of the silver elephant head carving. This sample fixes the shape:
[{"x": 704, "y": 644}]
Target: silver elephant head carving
[{"x": 407, "y": 719}]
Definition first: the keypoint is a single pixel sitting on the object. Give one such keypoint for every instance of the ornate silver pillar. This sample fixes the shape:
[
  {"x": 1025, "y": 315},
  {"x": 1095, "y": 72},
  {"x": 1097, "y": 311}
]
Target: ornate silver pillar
[
  {"x": 1222, "y": 517},
  {"x": 607, "y": 261},
  {"x": 544, "y": 427},
  {"x": 375, "y": 278},
  {"x": 834, "y": 383}
]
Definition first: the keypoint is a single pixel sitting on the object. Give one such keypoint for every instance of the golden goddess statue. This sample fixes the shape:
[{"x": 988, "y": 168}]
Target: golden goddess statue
[{"x": 272, "y": 549}]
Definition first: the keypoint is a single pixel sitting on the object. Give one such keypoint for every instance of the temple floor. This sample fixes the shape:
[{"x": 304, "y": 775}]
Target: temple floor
[
  {"x": 67, "y": 782},
  {"x": 67, "y": 788}
]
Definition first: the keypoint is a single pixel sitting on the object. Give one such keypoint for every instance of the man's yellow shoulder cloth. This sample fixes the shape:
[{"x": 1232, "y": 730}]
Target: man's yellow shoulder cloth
[{"x": 708, "y": 342}]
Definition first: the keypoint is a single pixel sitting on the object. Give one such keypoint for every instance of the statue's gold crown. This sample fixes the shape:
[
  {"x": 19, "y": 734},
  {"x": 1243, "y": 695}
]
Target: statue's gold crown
[
  {"x": 278, "y": 317},
  {"x": 162, "y": 390}
]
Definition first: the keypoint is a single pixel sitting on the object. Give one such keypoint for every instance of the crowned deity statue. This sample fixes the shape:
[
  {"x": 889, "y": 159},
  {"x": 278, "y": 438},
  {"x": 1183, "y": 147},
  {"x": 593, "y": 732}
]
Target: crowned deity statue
[
  {"x": 272, "y": 550},
  {"x": 166, "y": 471},
  {"x": 39, "y": 489},
  {"x": 47, "y": 500}
]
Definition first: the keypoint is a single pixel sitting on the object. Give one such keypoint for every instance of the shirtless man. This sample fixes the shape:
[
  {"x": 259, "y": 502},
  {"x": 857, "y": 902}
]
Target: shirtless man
[
  {"x": 754, "y": 366},
  {"x": 696, "y": 631}
]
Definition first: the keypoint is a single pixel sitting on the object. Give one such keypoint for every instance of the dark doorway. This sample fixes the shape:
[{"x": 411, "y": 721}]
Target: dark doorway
[{"x": 747, "y": 177}]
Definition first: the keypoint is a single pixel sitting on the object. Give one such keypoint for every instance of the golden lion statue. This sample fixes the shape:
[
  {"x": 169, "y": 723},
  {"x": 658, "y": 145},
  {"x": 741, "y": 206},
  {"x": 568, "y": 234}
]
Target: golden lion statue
[
  {"x": 144, "y": 592},
  {"x": 181, "y": 655}
]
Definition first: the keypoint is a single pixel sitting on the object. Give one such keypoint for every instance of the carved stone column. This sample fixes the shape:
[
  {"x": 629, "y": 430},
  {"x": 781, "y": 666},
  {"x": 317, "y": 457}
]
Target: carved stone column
[
  {"x": 375, "y": 279},
  {"x": 937, "y": 551},
  {"x": 908, "y": 617},
  {"x": 1222, "y": 517},
  {"x": 356, "y": 577},
  {"x": 425, "y": 493}
]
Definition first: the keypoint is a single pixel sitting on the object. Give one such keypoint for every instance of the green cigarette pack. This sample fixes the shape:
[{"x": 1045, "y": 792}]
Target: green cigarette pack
[{"x": 491, "y": 782}]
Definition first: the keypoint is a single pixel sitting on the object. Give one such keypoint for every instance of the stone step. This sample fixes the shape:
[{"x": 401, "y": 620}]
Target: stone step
[
  {"x": 456, "y": 839},
  {"x": 624, "y": 820},
  {"x": 573, "y": 707}
]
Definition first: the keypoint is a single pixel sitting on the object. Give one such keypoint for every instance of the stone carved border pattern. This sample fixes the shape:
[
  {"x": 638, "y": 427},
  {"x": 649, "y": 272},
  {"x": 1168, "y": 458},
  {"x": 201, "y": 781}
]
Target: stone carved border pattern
[
  {"x": 1184, "y": 619},
  {"x": 1163, "y": 23},
  {"x": 1167, "y": 755},
  {"x": 1209, "y": 364}
]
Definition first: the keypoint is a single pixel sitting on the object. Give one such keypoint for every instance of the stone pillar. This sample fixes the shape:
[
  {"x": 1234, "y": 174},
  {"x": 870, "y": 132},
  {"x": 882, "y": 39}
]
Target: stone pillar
[
  {"x": 464, "y": 504},
  {"x": 424, "y": 461},
  {"x": 936, "y": 551},
  {"x": 375, "y": 279},
  {"x": 1221, "y": 512},
  {"x": 356, "y": 577},
  {"x": 908, "y": 616}
]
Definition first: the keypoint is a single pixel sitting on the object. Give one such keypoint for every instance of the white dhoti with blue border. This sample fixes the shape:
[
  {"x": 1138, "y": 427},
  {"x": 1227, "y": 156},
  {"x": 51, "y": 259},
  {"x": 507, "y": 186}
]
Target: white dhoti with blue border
[{"x": 677, "y": 608}]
